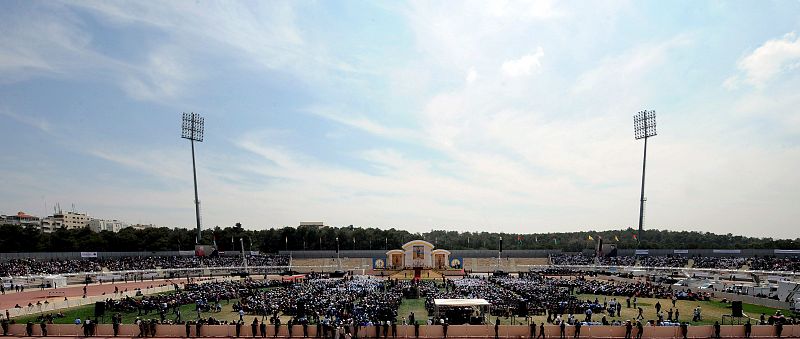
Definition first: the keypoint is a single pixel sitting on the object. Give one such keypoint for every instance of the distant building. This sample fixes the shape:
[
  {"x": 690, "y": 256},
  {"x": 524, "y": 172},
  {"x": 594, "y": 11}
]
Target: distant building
[
  {"x": 21, "y": 219},
  {"x": 50, "y": 224},
  {"x": 142, "y": 226},
  {"x": 99, "y": 225},
  {"x": 72, "y": 220}
]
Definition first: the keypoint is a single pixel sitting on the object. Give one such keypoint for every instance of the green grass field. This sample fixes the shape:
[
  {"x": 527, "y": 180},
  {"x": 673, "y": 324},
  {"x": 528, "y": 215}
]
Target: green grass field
[
  {"x": 413, "y": 305},
  {"x": 87, "y": 311}
]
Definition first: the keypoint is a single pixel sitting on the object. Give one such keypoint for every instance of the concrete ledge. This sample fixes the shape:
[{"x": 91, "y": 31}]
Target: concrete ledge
[{"x": 407, "y": 331}]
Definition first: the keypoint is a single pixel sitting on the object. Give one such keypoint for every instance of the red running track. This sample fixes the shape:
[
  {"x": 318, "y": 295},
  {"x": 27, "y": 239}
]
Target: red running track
[{"x": 32, "y": 295}]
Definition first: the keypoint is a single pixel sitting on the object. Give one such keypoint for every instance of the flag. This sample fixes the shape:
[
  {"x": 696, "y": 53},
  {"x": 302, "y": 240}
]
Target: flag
[
  {"x": 616, "y": 238},
  {"x": 590, "y": 238},
  {"x": 634, "y": 237},
  {"x": 555, "y": 241},
  {"x": 519, "y": 238},
  {"x": 536, "y": 238}
]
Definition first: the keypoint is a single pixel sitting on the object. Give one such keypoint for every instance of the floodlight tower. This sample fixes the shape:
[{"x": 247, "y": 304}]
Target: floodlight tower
[
  {"x": 192, "y": 129},
  {"x": 644, "y": 126}
]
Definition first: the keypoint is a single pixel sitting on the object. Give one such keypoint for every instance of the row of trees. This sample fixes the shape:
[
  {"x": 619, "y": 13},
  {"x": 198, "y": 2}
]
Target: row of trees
[{"x": 19, "y": 239}]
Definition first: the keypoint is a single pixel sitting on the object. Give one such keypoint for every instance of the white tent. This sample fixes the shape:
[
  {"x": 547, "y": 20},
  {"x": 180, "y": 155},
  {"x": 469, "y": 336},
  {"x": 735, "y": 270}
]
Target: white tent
[
  {"x": 56, "y": 280},
  {"x": 460, "y": 302},
  {"x": 479, "y": 307}
]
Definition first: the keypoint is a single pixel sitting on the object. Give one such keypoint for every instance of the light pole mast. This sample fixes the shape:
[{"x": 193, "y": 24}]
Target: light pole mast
[
  {"x": 192, "y": 129},
  {"x": 644, "y": 127}
]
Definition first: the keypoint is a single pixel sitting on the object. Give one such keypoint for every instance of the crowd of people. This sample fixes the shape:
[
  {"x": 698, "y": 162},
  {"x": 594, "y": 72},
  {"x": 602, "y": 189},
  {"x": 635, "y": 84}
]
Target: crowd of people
[
  {"x": 361, "y": 301},
  {"x": 772, "y": 263},
  {"x": 766, "y": 263},
  {"x": 32, "y": 266}
]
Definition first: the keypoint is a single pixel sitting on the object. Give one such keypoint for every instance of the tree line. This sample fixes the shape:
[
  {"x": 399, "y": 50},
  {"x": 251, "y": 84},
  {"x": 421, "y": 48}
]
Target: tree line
[{"x": 20, "y": 239}]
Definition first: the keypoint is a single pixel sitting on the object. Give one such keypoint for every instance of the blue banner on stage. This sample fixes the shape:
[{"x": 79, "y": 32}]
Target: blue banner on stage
[{"x": 378, "y": 263}]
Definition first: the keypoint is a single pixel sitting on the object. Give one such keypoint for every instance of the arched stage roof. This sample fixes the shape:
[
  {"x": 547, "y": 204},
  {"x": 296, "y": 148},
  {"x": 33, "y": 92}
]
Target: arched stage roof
[{"x": 417, "y": 242}]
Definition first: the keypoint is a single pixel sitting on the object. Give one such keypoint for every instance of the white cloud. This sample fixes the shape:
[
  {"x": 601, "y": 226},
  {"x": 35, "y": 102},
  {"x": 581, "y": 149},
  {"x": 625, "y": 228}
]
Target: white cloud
[
  {"x": 525, "y": 65},
  {"x": 37, "y": 122},
  {"x": 362, "y": 123},
  {"x": 766, "y": 62},
  {"x": 472, "y": 75}
]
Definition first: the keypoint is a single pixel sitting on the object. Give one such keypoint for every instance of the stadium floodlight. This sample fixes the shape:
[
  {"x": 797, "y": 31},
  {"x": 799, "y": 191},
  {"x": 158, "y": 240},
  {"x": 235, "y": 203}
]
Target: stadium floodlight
[
  {"x": 644, "y": 127},
  {"x": 192, "y": 129}
]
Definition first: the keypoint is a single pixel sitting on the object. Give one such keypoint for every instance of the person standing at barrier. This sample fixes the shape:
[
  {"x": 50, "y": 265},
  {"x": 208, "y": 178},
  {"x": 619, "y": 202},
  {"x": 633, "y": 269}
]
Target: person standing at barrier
[
  {"x": 87, "y": 328},
  {"x": 497, "y": 328},
  {"x": 639, "y": 329},
  {"x": 43, "y": 326},
  {"x": 444, "y": 329},
  {"x": 153, "y": 325},
  {"x": 416, "y": 329},
  {"x": 685, "y": 329},
  {"x": 4, "y": 325},
  {"x": 198, "y": 327},
  {"x": 628, "y": 328},
  {"x": 532, "y": 330},
  {"x": 778, "y": 328},
  {"x": 188, "y": 329},
  {"x": 254, "y": 327},
  {"x": 115, "y": 323},
  {"x": 29, "y": 328},
  {"x": 717, "y": 329},
  {"x": 305, "y": 328},
  {"x": 238, "y": 328},
  {"x": 577, "y": 329},
  {"x": 264, "y": 327},
  {"x": 541, "y": 331},
  {"x": 289, "y": 326},
  {"x": 748, "y": 328}
]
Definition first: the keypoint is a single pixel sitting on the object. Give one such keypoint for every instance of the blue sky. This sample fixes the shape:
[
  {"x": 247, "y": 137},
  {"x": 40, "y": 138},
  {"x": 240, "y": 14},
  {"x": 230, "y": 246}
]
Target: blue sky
[{"x": 485, "y": 115}]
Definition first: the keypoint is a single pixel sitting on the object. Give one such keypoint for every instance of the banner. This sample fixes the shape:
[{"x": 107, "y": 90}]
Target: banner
[
  {"x": 680, "y": 251},
  {"x": 642, "y": 252},
  {"x": 728, "y": 251},
  {"x": 378, "y": 263},
  {"x": 88, "y": 254},
  {"x": 457, "y": 263},
  {"x": 787, "y": 251}
]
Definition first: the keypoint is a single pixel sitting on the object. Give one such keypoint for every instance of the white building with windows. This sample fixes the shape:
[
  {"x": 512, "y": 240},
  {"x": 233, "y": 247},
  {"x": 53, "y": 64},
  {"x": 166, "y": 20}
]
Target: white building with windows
[{"x": 99, "y": 225}]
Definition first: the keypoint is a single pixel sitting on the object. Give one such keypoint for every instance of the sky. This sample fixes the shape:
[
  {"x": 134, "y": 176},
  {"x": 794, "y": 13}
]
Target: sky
[{"x": 498, "y": 116}]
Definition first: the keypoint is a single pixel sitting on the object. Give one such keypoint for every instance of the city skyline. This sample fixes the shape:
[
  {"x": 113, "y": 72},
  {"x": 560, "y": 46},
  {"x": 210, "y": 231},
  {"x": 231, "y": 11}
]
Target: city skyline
[{"x": 511, "y": 116}]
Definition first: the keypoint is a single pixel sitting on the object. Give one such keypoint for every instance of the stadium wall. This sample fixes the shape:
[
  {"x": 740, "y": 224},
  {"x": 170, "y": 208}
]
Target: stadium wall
[
  {"x": 453, "y": 254},
  {"x": 77, "y": 255},
  {"x": 407, "y": 331}
]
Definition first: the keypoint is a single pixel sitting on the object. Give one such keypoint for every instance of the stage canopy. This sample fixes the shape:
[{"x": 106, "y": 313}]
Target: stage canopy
[{"x": 460, "y": 302}]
